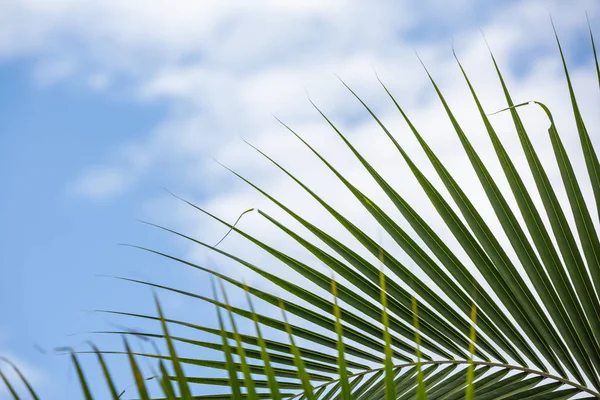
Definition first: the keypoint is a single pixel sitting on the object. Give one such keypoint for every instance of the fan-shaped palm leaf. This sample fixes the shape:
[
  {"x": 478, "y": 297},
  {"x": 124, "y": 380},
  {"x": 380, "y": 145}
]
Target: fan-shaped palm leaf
[
  {"x": 541, "y": 341},
  {"x": 387, "y": 334}
]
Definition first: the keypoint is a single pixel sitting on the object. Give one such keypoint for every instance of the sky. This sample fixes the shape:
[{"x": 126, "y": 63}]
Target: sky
[{"x": 106, "y": 104}]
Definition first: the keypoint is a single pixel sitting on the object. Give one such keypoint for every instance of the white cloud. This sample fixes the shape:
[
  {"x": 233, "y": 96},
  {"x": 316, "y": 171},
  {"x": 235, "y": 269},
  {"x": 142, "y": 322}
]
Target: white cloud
[
  {"x": 101, "y": 182},
  {"x": 99, "y": 81},
  {"x": 51, "y": 72},
  {"x": 225, "y": 69}
]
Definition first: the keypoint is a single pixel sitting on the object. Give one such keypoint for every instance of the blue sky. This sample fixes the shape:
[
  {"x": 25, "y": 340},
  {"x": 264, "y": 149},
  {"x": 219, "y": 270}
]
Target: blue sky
[{"x": 103, "y": 104}]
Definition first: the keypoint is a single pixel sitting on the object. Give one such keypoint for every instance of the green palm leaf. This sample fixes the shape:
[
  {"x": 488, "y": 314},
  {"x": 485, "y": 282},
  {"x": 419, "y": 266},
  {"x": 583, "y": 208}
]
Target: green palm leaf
[
  {"x": 479, "y": 331},
  {"x": 9, "y": 386},
  {"x": 25, "y": 381}
]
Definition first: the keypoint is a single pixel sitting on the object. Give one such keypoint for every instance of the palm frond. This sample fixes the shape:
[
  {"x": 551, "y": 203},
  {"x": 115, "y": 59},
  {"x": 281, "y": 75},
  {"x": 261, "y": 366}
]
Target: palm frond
[
  {"x": 456, "y": 341},
  {"x": 480, "y": 331}
]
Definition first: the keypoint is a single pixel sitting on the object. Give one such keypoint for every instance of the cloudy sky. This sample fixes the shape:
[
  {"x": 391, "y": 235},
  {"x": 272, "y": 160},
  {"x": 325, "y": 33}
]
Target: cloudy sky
[{"x": 104, "y": 104}]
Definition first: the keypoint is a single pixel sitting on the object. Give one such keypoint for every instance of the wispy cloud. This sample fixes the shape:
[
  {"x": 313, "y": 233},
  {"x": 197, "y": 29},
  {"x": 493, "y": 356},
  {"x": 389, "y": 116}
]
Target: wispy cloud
[
  {"x": 225, "y": 69},
  {"x": 102, "y": 182}
]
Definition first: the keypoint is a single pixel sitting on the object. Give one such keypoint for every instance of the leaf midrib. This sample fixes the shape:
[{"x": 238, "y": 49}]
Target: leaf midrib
[{"x": 476, "y": 363}]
